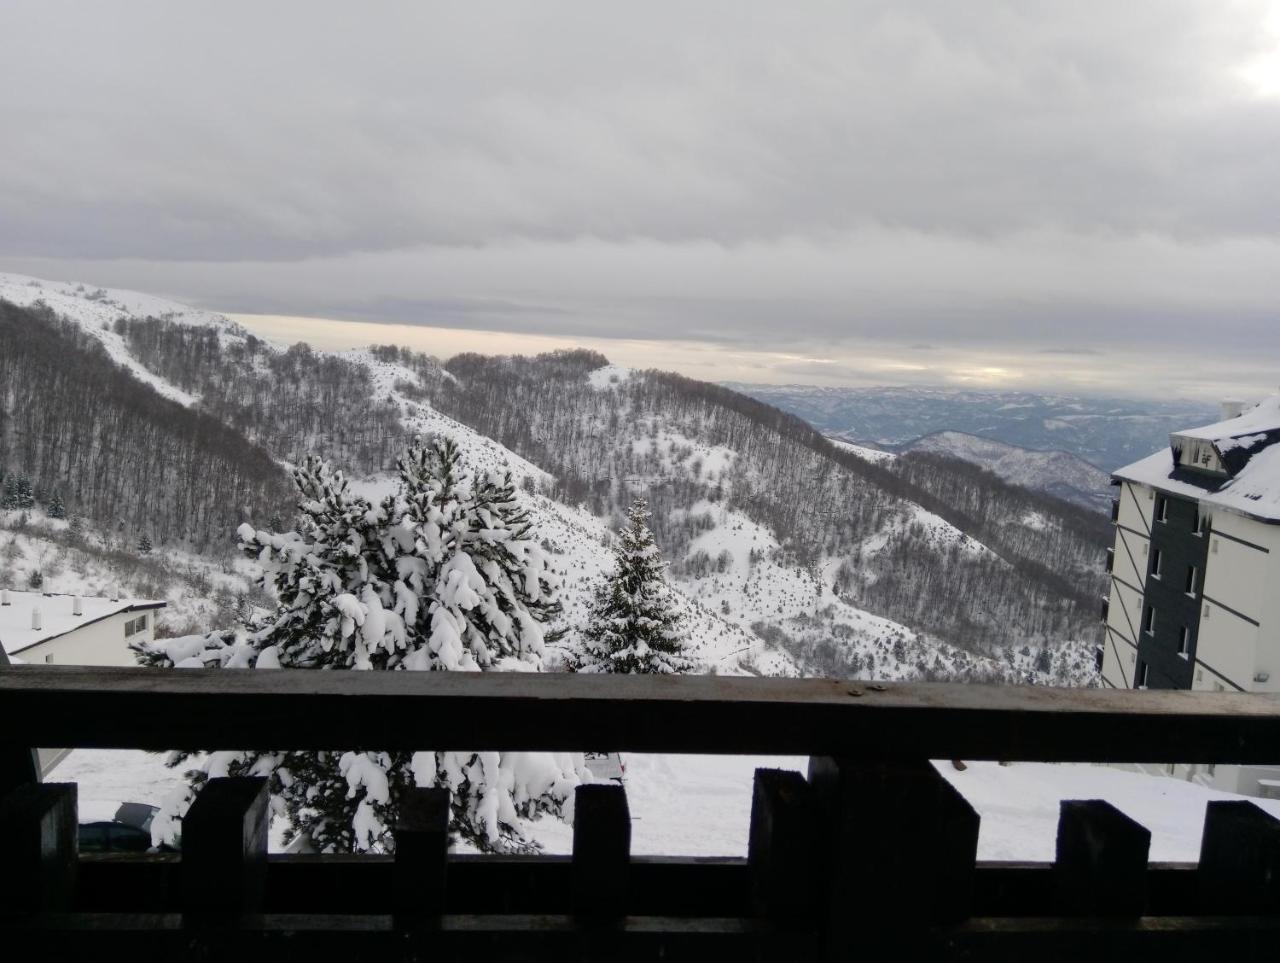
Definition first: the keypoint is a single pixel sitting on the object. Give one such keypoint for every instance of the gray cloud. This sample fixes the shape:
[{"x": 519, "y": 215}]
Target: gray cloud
[{"x": 1049, "y": 175}]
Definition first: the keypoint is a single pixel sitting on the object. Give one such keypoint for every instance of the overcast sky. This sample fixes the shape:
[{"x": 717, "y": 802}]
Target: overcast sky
[{"x": 1022, "y": 193}]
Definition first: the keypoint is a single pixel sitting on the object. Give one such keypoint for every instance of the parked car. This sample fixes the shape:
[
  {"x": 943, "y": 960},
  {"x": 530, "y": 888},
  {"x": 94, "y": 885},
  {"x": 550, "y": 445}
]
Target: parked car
[
  {"x": 607, "y": 765},
  {"x": 116, "y": 827}
]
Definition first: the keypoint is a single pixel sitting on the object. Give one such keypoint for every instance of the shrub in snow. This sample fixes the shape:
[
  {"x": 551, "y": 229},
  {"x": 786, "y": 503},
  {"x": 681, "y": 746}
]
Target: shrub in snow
[
  {"x": 633, "y": 625},
  {"x": 445, "y": 574}
]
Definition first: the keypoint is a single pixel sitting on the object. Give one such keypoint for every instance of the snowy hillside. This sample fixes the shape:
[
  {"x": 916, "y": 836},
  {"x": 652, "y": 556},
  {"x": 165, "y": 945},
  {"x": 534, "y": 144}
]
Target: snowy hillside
[
  {"x": 1056, "y": 472},
  {"x": 96, "y": 309},
  {"x": 789, "y": 556}
]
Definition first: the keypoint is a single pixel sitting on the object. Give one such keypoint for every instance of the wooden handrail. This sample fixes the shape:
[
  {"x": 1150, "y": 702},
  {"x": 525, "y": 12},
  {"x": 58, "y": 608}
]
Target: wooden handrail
[{"x": 259, "y": 709}]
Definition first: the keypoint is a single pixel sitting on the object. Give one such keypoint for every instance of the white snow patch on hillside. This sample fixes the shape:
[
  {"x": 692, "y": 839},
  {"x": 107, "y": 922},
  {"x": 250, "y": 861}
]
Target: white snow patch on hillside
[
  {"x": 481, "y": 453},
  {"x": 941, "y": 532},
  {"x": 608, "y": 376},
  {"x": 873, "y": 455}
]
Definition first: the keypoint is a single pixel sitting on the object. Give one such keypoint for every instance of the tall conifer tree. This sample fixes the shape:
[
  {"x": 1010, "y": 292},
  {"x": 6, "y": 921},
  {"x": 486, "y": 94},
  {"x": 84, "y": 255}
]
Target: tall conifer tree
[{"x": 633, "y": 625}]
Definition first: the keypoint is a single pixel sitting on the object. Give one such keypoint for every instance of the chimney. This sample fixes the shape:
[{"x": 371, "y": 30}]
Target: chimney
[
  {"x": 4, "y": 598},
  {"x": 1232, "y": 409},
  {"x": 35, "y": 618},
  {"x": 77, "y": 605}
]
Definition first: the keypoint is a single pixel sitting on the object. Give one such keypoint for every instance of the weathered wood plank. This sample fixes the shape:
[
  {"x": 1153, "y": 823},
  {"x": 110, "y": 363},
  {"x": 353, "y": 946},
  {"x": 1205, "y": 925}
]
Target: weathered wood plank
[
  {"x": 224, "y": 848},
  {"x": 422, "y": 853},
  {"x": 1239, "y": 860},
  {"x": 601, "y": 851},
  {"x": 1101, "y": 864},
  {"x": 782, "y": 846},
  {"x": 40, "y": 859},
  {"x": 117, "y": 707}
]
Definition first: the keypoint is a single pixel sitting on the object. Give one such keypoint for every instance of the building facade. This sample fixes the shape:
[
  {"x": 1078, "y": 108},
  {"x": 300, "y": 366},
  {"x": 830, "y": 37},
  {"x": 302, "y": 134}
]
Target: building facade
[{"x": 1195, "y": 572}]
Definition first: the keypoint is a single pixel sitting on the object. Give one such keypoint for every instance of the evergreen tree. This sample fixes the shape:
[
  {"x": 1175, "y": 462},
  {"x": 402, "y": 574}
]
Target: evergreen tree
[
  {"x": 75, "y": 528},
  {"x": 9, "y": 494},
  {"x": 35, "y": 580},
  {"x": 25, "y": 495},
  {"x": 144, "y": 544},
  {"x": 633, "y": 625},
  {"x": 445, "y": 574},
  {"x": 57, "y": 508}
]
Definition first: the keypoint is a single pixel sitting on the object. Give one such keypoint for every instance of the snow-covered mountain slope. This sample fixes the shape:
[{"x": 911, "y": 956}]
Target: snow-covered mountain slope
[
  {"x": 792, "y": 554},
  {"x": 95, "y": 310},
  {"x": 1056, "y": 472}
]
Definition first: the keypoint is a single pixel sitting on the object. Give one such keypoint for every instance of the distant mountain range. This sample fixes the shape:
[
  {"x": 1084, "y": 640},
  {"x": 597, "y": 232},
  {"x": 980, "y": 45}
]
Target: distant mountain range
[{"x": 1105, "y": 432}]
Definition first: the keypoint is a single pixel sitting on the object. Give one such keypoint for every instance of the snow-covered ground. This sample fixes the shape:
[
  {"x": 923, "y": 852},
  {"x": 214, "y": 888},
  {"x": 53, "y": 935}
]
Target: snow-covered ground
[
  {"x": 701, "y": 805},
  {"x": 873, "y": 455}
]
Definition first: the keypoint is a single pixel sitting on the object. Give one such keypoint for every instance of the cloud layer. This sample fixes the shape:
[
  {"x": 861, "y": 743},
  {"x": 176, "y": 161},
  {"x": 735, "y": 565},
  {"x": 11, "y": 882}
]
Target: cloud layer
[{"x": 1027, "y": 175}]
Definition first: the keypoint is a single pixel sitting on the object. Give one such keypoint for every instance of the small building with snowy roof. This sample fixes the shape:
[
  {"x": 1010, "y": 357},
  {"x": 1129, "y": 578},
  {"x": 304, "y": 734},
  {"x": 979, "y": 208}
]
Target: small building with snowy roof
[
  {"x": 74, "y": 630},
  {"x": 1195, "y": 570}
]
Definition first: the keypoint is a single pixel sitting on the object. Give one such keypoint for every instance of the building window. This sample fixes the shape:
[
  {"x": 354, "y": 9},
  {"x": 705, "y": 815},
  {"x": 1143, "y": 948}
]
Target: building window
[
  {"x": 1184, "y": 642},
  {"x": 134, "y": 626},
  {"x": 1162, "y": 509},
  {"x": 49, "y": 659},
  {"x": 1149, "y": 620},
  {"x": 1192, "y": 575},
  {"x": 1156, "y": 556},
  {"x": 1144, "y": 674}
]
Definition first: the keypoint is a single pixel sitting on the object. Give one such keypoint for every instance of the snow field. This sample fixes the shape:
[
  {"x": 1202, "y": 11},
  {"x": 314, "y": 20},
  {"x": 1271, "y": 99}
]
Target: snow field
[{"x": 685, "y": 805}]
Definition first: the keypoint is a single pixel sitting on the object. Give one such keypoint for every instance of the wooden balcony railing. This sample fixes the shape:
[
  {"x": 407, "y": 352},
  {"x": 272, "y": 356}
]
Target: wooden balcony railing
[{"x": 872, "y": 856}]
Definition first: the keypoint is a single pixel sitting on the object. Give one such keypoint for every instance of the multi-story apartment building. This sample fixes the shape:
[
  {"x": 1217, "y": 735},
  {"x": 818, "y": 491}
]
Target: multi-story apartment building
[{"x": 1195, "y": 571}]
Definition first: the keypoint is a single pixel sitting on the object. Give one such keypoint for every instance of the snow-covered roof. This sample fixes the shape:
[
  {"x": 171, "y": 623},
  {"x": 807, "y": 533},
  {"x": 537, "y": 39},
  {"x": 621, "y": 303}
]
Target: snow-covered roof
[
  {"x": 1263, "y": 417},
  {"x": 1247, "y": 446},
  {"x": 56, "y": 616}
]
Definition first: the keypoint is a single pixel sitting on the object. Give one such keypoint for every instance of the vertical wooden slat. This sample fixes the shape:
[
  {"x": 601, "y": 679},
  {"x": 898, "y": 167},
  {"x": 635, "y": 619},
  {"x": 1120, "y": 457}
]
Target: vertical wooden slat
[
  {"x": 422, "y": 846},
  {"x": 1101, "y": 863},
  {"x": 780, "y": 848},
  {"x": 41, "y": 850},
  {"x": 601, "y": 850},
  {"x": 1239, "y": 870},
  {"x": 19, "y": 765},
  {"x": 901, "y": 852},
  {"x": 224, "y": 848}
]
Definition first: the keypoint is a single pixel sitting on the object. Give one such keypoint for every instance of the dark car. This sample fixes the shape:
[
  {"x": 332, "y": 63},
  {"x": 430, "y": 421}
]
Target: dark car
[{"x": 117, "y": 827}]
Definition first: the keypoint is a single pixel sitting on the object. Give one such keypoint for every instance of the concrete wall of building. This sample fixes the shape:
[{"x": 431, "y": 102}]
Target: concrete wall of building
[
  {"x": 1133, "y": 528},
  {"x": 1241, "y": 584},
  {"x": 102, "y": 642}
]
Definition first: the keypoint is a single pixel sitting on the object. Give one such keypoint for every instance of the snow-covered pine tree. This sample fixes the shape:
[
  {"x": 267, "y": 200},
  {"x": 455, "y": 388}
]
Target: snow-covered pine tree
[
  {"x": 57, "y": 508},
  {"x": 144, "y": 544},
  {"x": 443, "y": 574},
  {"x": 26, "y": 497},
  {"x": 633, "y": 625}
]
